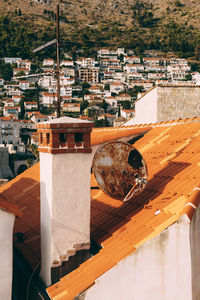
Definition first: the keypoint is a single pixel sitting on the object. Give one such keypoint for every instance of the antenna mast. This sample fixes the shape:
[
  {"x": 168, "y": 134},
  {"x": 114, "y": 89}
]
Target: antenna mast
[
  {"x": 58, "y": 62},
  {"x": 57, "y": 41}
]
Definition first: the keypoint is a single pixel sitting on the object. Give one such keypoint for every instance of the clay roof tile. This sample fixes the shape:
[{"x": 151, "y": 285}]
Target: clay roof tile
[{"x": 171, "y": 151}]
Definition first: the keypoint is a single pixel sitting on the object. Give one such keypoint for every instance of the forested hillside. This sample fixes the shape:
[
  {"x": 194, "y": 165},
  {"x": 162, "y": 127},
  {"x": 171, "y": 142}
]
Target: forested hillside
[{"x": 87, "y": 25}]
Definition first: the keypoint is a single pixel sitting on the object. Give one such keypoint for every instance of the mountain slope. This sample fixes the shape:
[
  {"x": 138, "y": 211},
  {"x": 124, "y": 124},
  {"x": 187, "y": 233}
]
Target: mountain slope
[
  {"x": 131, "y": 23},
  {"x": 85, "y": 12}
]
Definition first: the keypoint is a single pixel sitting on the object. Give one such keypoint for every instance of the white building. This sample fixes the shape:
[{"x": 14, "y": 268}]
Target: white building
[
  {"x": 47, "y": 80},
  {"x": 11, "y": 110},
  {"x": 71, "y": 107},
  {"x": 167, "y": 102},
  {"x": 38, "y": 118},
  {"x": 16, "y": 71},
  {"x": 177, "y": 72},
  {"x": 134, "y": 68},
  {"x": 111, "y": 101},
  {"x": 24, "y": 85},
  {"x": 10, "y": 132},
  {"x": 86, "y": 62},
  {"x": 24, "y": 64},
  {"x": 48, "y": 99},
  {"x": 31, "y": 105},
  {"x": 48, "y": 62},
  {"x": 2, "y": 81},
  {"x": 17, "y": 99},
  {"x": 116, "y": 87},
  {"x": 12, "y": 60},
  {"x": 67, "y": 63}
]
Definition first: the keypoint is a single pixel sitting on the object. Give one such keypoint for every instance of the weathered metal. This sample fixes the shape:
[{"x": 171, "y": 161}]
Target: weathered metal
[{"x": 119, "y": 170}]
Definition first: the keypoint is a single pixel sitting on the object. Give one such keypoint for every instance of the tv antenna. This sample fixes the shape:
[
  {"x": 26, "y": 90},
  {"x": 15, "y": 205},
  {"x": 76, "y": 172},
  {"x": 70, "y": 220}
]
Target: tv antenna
[
  {"x": 57, "y": 42},
  {"x": 119, "y": 170}
]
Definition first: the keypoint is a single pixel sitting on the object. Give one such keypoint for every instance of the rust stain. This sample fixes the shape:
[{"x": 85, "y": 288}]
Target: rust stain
[{"x": 119, "y": 170}]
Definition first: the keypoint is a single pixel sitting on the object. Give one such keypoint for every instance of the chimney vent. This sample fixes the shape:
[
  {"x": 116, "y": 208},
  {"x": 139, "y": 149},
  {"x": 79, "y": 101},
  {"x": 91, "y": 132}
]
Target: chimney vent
[
  {"x": 65, "y": 135},
  {"x": 65, "y": 164}
]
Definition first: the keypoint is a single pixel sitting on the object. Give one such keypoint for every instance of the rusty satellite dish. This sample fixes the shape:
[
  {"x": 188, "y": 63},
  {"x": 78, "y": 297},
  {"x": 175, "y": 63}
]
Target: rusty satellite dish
[{"x": 119, "y": 170}]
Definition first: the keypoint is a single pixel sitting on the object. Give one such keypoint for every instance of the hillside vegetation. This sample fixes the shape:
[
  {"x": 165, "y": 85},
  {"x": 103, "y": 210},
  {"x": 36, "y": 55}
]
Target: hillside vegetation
[{"x": 87, "y": 25}]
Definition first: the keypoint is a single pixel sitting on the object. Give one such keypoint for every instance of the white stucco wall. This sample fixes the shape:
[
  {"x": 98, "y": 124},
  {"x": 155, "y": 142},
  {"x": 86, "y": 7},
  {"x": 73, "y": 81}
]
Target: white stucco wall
[
  {"x": 6, "y": 254},
  {"x": 145, "y": 109},
  {"x": 158, "y": 270},
  {"x": 195, "y": 254},
  {"x": 65, "y": 207}
]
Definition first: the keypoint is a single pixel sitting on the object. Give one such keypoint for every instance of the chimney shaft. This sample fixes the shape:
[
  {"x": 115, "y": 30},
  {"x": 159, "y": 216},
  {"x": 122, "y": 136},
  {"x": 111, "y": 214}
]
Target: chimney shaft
[{"x": 65, "y": 163}]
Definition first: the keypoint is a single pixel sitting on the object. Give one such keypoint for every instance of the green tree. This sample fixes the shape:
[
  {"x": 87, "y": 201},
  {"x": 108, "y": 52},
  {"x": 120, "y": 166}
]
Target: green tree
[
  {"x": 29, "y": 162},
  {"x": 119, "y": 111},
  {"x": 126, "y": 104},
  {"x": 107, "y": 86},
  {"x": 6, "y": 71},
  {"x": 197, "y": 51},
  {"x": 104, "y": 105},
  {"x": 178, "y": 3},
  {"x": 22, "y": 110},
  {"x": 83, "y": 106},
  {"x": 30, "y": 95},
  {"x": 101, "y": 123},
  {"x": 20, "y": 73},
  {"x": 188, "y": 77},
  {"x": 34, "y": 149},
  {"x": 85, "y": 85}
]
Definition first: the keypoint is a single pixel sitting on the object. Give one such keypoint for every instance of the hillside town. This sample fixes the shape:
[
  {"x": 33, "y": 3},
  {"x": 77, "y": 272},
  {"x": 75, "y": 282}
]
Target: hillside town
[
  {"x": 99, "y": 150},
  {"x": 103, "y": 90},
  {"x": 69, "y": 231}
]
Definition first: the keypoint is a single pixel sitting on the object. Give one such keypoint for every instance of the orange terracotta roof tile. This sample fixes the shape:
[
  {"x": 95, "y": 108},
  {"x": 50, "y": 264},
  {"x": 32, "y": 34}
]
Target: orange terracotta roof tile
[
  {"x": 171, "y": 152},
  {"x": 23, "y": 191},
  {"x": 103, "y": 135},
  {"x": 122, "y": 227}
]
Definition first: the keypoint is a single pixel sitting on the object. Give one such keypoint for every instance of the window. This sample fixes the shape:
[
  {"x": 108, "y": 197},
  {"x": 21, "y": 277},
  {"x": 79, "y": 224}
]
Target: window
[{"x": 63, "y": 137}]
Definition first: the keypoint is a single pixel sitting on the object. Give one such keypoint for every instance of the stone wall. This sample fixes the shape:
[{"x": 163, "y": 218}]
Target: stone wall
[{"x": 176, "y": 102}]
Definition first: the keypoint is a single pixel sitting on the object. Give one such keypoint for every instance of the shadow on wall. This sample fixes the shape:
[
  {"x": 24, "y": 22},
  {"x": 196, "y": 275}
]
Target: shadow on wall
[{"x": 25, "y": 193}]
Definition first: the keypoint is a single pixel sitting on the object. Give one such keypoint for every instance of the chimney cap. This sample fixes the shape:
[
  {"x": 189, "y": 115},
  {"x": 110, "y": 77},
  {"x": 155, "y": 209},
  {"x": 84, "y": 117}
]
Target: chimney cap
[{"x": 65, "y": 122}]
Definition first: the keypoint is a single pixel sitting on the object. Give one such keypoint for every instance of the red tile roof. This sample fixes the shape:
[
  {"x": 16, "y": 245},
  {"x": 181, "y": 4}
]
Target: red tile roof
[
  {"x": 171, "y": 151},
  {"x": 6, "y": 118},
  {"x": 173, "y": 159},
  {"x": 103, "y": 135}
]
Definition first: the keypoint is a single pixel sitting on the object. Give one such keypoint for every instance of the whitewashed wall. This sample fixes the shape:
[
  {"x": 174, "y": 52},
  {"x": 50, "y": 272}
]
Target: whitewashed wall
[
  {"x": 145, "y": 109},
  {"x": 65, "y": 207},
  {"x": 6, "y": 254},
  {"x": 158, "y": 270},
  {"x": 195, "y": 254}
]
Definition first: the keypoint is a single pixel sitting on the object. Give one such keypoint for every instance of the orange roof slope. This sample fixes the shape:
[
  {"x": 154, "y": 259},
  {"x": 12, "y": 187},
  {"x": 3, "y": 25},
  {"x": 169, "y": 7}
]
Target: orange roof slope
[
  {"x": 24, "y": 191},
  {"x": 171, "y": 151},
  {"x": 173, "y": 159},
  {"x": 103, "y": 135}
]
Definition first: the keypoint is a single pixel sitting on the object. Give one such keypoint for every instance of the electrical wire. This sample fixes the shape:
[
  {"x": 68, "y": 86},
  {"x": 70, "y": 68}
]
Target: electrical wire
[{"x": 29, "y": 281}]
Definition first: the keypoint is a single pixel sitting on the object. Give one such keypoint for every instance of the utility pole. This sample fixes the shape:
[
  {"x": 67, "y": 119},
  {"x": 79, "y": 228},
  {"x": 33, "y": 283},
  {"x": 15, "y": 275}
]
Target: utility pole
[{"x": 58, "y": 61}]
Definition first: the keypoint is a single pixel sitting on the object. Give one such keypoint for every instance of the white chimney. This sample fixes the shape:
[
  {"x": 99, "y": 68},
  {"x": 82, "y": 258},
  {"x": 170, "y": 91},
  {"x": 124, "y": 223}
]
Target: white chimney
[{"x": 65, "y": 163}]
